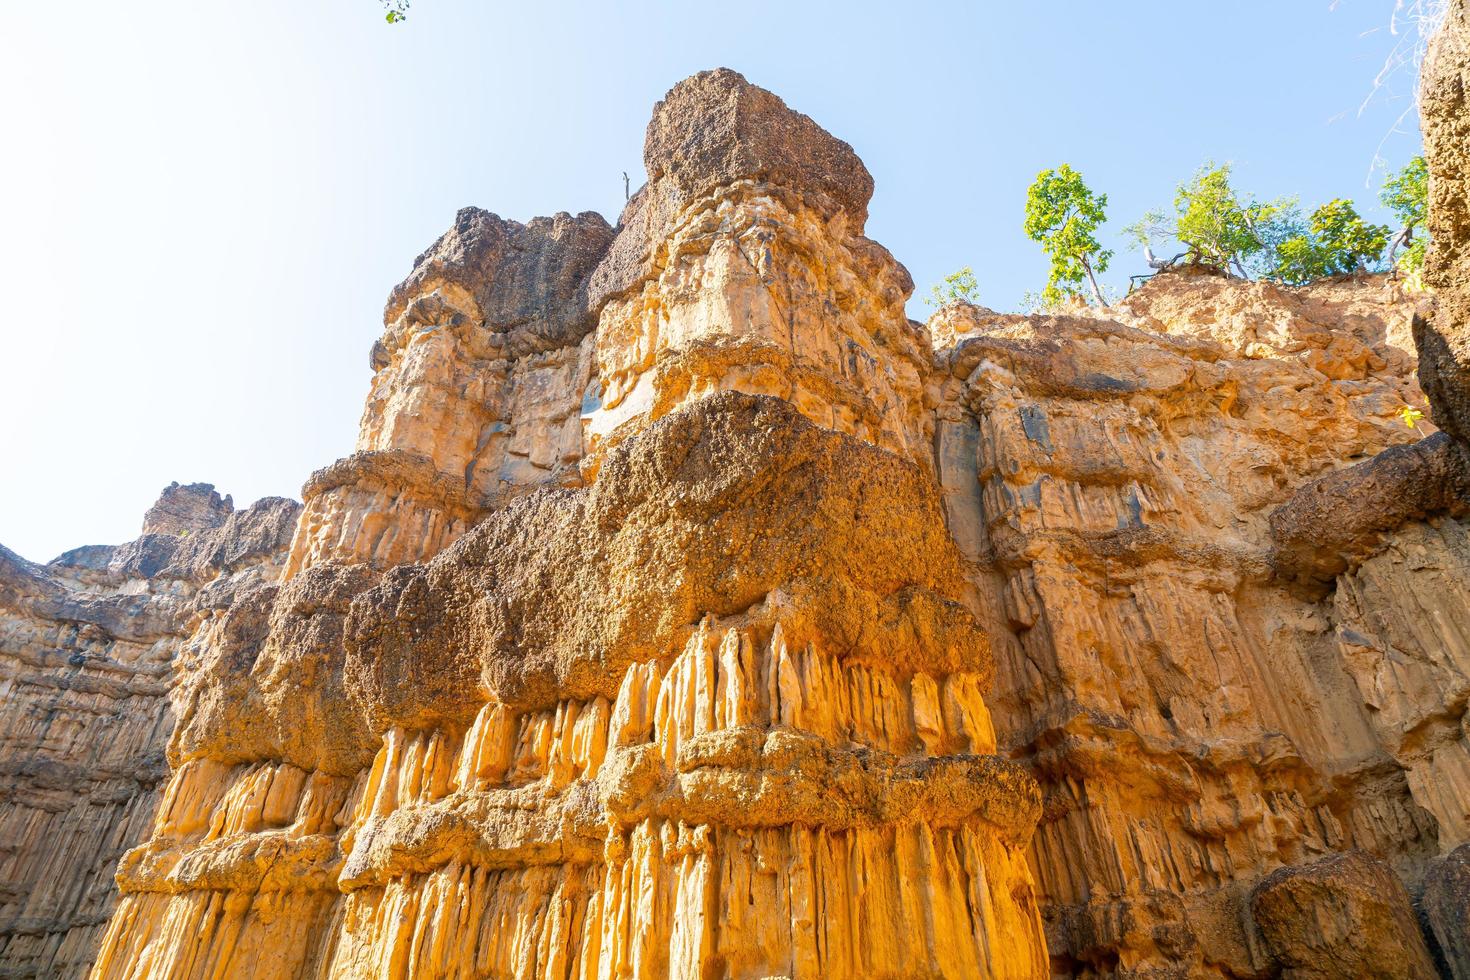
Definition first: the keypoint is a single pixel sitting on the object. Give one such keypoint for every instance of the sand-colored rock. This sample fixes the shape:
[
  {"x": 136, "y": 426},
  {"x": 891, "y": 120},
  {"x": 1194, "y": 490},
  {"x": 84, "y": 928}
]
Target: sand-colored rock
[
  {"x": 89, "y": 646},
  {"x": 1194, "y": 716},
  {"x": 685, "y": 610},
  {"x": 742, "y": 266},
  {"x": 690, "y": 690},
  {"x": 476, "y": 395},
  {"x": 787, "y": 748}
]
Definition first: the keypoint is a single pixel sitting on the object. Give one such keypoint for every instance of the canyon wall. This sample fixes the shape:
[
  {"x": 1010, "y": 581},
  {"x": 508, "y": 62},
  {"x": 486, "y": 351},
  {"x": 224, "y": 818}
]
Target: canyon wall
[
  {"x": 631, "y": 641},
  {"x": 687, "y": 610},
  {"x": 89, "y": 647},
  {"x": 1201, "y": 704}
]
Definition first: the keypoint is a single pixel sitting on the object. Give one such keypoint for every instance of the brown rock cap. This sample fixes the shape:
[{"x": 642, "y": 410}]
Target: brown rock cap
[
  {"x": 1333, "y": 523},
  {"x": 527, "y": 280},
  {"x": 1347, "y": 915},
  {"x": 186, "y": 509},
  {"x": 715, "y": 128}
]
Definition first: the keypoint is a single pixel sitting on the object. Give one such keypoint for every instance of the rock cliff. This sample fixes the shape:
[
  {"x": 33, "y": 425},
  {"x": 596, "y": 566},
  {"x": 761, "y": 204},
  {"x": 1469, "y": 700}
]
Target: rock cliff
[
  {"x": 90, "y": 645},
  {"x": 1203, "y": 698},
  {"x": 687, "y": 610},
  {"x": 631, "y": 641}
]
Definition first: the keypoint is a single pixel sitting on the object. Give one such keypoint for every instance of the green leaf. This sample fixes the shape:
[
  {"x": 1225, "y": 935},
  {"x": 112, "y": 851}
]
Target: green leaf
[{"x": 1335, "y": 242}]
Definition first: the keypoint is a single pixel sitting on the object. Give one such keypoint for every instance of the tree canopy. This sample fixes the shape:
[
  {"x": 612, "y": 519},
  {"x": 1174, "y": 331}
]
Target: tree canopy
[
  {"x": 1221, "y": 228},
  {"x": 1063, "y": 214},
  {"x": 958, "y": 287},
  {"x": 1336, "y": 241},
  {"x": 1406, "y": 194}
]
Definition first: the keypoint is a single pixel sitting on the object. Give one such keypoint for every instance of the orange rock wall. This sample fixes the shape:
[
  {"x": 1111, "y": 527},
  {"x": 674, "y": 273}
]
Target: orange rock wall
[
  {"x": 90, "y": 645},
  {"x": 686, "y": 610},
  {"x": 1195, "y": 720}
]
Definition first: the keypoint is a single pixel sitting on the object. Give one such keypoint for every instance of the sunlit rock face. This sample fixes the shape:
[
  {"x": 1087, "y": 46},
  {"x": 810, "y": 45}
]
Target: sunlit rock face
[
  {"x": 742, "y": 266},
  {"x": 631, "y": 641},
  {"x": 90, "y": 645},
  {"x": 476, "y": 396},
  {"x": 1209, "y": 672},
  {"x": 686, "y": 610}
]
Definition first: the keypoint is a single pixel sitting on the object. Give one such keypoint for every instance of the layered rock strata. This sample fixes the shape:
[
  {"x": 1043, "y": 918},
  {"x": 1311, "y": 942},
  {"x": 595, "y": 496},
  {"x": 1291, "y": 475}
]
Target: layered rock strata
[
  {"x": 1196, "y": 715},
  {"x": 687, "y": 610},
  {"x": 89, "y": 645},
  {"x": 635, "y": 651},
  {"x": 742, "y": 265},
  {"x": 476, "y": 393}
]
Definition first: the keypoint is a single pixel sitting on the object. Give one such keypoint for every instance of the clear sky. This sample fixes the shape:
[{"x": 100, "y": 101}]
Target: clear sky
[{"x": 204, "y": 204}]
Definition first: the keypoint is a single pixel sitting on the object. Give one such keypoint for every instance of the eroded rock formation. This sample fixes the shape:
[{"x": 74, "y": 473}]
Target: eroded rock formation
[
  {"x": 686, "y": 610},
  {"x": 89, "y": 647},
  {"x": 1190, "y": 710},
  {"x": 1444, "y": 339},
  {"x": 632, "y": 641}
]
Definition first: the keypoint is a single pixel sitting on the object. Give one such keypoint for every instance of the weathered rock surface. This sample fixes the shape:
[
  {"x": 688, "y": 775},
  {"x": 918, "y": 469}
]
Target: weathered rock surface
[
  {"x": 1336, "y": 521},
  {"x": 1445, "y": 908},
  {"x": 1444, "y": 338},
  {"x": 476, "y": 394},
  {"x": 641, "y": 651},
  {"x": 742, "y": 266},
  {"x": 1193, "y": 721},
  {"x": 1344, "y": 916},
  {"x": 88, "y": 647},
  {"x": 704, "y": 765},
  {"x": 686, "y": 610}
]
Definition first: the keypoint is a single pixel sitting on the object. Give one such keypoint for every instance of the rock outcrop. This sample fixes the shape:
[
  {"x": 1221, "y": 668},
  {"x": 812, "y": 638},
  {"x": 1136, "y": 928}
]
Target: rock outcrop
[
  {"x": 1444, "y": 338},
  {"x": 742, "y": 266},
  {"x": 476, "y": 393},
  {"x": 89, "y": 646},
  {"x": 1196, "y": 717},
  {"x": 632, "y": 640},
  {"x": 1344, "y": 916},
  {"x": 686, "y": 610}
]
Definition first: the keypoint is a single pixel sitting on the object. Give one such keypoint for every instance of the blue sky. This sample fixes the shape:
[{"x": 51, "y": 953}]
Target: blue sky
[{"x": 204, "y": 205}]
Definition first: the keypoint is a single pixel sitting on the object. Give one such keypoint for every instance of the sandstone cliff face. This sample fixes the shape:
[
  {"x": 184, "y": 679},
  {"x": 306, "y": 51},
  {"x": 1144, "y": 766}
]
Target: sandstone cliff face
[
  {"x": 742, "y": 266},
  {"x": 1199, "y": 709},
  {"x": 639, "y": 650},
  {"x": 686, "y": 610},
  {"x": 88, "y": 648},
  {"x": 476, "y": 393}
]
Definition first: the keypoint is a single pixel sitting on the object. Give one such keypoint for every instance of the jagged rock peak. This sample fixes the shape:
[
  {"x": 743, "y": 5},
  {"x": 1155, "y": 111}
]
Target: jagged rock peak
[
  {"x": 527, "y": 280},
  {"x": 187, "y": 508},
  {"x": 715, "y": 128}
]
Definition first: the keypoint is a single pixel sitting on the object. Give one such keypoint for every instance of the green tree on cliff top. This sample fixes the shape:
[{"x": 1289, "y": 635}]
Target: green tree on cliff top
[
  {"x": 958, "y": 287},
  {"x": 1336, "y": 241},
  {"x": 1406, "y": 194},
  {"x": 1063, "y": 214},
  {"x": 1219, "y": 227}
]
